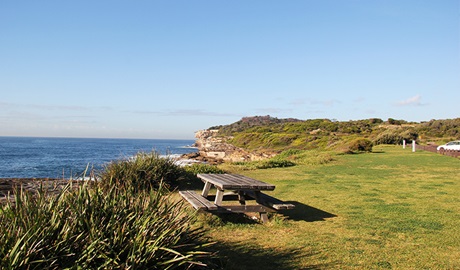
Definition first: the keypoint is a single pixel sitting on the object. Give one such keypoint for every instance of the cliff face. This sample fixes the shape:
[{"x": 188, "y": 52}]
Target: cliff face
[{"x": 211, "y": 145}]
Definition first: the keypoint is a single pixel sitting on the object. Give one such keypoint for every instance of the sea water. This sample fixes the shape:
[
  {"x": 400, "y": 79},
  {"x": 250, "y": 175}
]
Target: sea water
[{"x": 30, "y": 157}]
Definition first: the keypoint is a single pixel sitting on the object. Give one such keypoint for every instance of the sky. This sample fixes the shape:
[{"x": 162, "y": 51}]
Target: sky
[{"x": 166, "y": 69}]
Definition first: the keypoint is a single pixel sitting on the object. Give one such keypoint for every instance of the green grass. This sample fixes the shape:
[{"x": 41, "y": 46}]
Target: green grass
[{"x": 387, "y": 209}]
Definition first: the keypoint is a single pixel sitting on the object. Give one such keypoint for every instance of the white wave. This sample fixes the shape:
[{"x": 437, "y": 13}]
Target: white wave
[
  {"x": 188, "y": 146},
  {"x": 186, "y": 162},
  {"x": 171, "y": 156}
]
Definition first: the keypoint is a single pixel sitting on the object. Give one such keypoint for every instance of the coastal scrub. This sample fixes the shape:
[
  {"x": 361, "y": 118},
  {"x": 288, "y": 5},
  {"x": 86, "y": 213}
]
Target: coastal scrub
[
  {"x": 144, "y": 171},
  {"x": 92, "y": 228}
]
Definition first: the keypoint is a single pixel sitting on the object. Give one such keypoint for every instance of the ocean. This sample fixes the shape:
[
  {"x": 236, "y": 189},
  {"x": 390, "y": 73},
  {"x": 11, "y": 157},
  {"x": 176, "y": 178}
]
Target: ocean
[{"x": 32, "y": 157}]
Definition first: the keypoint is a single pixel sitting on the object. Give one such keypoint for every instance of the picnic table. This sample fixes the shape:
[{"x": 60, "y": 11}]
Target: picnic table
[{"x": 234, "y": 187}]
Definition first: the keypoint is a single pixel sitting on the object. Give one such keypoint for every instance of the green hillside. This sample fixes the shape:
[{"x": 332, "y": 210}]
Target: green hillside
[{"x": 270, "y": 133}]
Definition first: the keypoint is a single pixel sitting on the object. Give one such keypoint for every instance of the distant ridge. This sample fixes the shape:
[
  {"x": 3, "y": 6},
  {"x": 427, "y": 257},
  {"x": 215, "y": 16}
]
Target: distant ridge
[
  {"x": 273, "y": 134},
  {"x": 253, "y": 121}
]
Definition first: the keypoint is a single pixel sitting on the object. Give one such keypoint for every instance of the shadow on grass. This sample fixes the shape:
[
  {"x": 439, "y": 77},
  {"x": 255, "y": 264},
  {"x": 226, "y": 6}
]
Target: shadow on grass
[
  {"x": 303, "y": 212},
  {"x": 236, "y": 218},
  {"x": 245, "y": 256}
]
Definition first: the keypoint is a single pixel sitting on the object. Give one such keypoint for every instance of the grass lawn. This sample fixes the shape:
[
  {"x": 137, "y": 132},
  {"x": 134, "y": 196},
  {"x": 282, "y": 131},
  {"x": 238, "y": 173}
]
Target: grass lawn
[{"x": 391, "y": 209}]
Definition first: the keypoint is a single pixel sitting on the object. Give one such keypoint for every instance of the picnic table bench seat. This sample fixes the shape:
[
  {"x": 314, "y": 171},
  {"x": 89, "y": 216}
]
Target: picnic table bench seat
[
  {"x": 197, "y": 201},
  {"x": 270, "y": 201}
]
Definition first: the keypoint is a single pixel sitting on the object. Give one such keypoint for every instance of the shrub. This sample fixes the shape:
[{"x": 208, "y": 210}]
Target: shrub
[
  {"x": 409, "y": 135},
  {"x": 279, "y": 140},
  {"x": 92, "y": 229},
  {"x": 395, "y": 136},
  {"x": 144, "y": 171},
  {"x": 241, "y": 166},
  {"x": 290, "y": 153},
  {"x": 197, "y": 168},
  {"x": 307, "y": 157},
  {"x": 261, "y": 164},
  {"x": 360, "y": 145},
  {"x": 274, "y": 163}
]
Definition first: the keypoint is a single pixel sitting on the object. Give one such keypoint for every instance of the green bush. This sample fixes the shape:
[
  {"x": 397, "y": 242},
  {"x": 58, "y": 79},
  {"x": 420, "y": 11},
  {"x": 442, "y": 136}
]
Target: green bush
[
  {"x": 92, "y": 228},
  {"x": 262, "y": 164},
  {"x": 289, "y": 153},
  {"x": 409, "y": 135},
  {"x": 396, "y": 136},
  {"x": 144, "y": 171},
  {"x": 307, "y": 157},
  {"x": 360, "y": 145},
  {"x": 440, "y": 128},
  {"x": 279, "y": 140},
  {"x": 197, "y": 168},
  {"x": 274, "y": 163}
]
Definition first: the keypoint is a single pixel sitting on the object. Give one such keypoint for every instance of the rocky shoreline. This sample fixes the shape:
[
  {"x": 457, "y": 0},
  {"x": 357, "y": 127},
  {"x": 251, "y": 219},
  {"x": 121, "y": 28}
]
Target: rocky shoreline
[
  {"x": 191, "y": 158},
  {"x": 212, "y": 149},
  {"x": 8, "y": 186},
  {"x": 215, "y": 148}
]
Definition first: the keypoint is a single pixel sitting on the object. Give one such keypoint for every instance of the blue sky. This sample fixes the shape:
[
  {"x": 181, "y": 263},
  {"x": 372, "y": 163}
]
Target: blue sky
[{"x": 165, "y": 69}]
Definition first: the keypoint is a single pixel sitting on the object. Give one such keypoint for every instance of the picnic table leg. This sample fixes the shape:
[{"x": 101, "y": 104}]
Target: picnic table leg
[
  {"x": 219, "y": 196},
  {"x": 258, "y": 198},
  {"x": 241, "y": 198},
  {"x": 207, "y": 187},
  {"x": 263, "y": 215}
]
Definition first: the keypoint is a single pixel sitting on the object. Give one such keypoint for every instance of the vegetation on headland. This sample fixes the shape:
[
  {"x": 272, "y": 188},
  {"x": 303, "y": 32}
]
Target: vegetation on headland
[
  {"x": 262, "y": 133},
  {"x": 318, "y": 141}
]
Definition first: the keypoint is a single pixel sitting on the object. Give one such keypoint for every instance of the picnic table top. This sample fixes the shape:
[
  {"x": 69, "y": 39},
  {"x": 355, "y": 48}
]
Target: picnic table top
[{"x": 235, "y": 181}]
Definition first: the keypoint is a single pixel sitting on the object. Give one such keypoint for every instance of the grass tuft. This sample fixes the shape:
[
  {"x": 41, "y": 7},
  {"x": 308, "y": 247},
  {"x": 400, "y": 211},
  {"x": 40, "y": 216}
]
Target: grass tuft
[
  {"x": 94, "y": 228},
  {"x": 144, "y": 171}
]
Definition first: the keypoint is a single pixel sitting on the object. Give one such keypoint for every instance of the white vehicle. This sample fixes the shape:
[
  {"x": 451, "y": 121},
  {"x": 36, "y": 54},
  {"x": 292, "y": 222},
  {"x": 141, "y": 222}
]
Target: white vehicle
[{"x": 454, "y": 145}]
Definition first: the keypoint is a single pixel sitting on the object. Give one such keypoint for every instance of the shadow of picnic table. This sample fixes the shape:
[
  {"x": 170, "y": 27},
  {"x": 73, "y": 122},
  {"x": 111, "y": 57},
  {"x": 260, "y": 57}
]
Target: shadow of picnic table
[{"x": 303, "y": 212}]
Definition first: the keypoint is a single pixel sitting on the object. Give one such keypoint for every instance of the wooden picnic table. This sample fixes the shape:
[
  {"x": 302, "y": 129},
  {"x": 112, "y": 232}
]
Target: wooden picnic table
[{"x": 239, "y": 188}]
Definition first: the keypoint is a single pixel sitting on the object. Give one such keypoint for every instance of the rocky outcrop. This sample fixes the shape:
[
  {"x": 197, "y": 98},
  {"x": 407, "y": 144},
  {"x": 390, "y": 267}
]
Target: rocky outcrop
[
  {"x": 9, "y": 186},
  {"x": 214, "y": 147}
]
